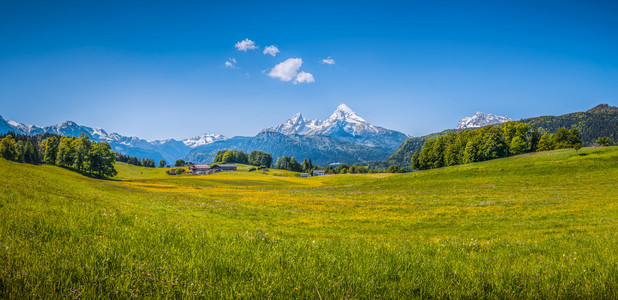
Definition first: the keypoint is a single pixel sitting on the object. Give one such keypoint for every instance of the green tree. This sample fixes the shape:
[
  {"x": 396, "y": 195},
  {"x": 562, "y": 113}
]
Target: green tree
[
  {"x": 494, "y": 145},
  {"x": 604, "y": 141},
  {"x": 560, "y": 139},
  {"x": 66, "y": 152},
  {"x": 82, "y": 147},
  {"x": 395, "y": 169},
  {"x": 162, "y": 163},
  {"x": 544, "y": 143},
  {"x": 415, "y": 159},
  {"x": 577, "y": 146},
  {"x": 518, "y": 145},
  {"x": 31, "y": 154},
  {"x": 101, "y": 160},
  {"x": 574, "y": 138},
  {"x": 21, "y": 151},
  {"x": 51, "y": 150},
  {"x": 8, "y": 148},
  {"x": 180, "y": 162},
  {"x": 471, "y": 152}
]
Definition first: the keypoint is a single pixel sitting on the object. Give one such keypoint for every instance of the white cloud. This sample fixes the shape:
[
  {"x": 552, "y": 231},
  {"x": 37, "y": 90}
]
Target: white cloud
[
  {"x": 231, "y": 63},
  {"x": 286, "y": 70},
  {"x": 245, "y": 45},
  {"x": 303, "y": 77},
  {"x": 328, "y": 61},
  {"x": 272, "y": 50}
]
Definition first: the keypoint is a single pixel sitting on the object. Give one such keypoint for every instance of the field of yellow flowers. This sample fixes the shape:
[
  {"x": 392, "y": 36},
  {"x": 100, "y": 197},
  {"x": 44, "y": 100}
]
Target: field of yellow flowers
[{"x": 540, "y": 225}]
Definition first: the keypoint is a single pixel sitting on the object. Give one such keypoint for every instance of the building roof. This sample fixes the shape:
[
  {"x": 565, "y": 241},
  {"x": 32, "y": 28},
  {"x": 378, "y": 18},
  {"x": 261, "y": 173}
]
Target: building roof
[
  {"x": 200, "y": 166},
  {"x": 226, "y": 165}
]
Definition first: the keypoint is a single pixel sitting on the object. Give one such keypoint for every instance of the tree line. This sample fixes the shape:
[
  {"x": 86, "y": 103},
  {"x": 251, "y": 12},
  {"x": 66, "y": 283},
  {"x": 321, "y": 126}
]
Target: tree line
[
  {"x": 490, "y": 142},
  {"x": 132, "y": 160},
  {"x": 80, "y": 154},
  {"x": 255, "y": 158}
]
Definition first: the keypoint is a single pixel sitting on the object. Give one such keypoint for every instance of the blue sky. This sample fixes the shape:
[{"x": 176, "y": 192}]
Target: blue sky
[{"x": 157, "y": 70}]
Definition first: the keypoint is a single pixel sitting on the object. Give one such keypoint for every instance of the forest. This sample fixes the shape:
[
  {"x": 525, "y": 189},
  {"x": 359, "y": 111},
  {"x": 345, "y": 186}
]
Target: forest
[
  {"x": 490, "y": 142},
  {"x": 79, "y": 154}
]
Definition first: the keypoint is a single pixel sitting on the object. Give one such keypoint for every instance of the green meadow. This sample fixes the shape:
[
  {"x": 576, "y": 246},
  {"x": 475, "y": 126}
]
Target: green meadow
[{"x": 539, "y": 225}]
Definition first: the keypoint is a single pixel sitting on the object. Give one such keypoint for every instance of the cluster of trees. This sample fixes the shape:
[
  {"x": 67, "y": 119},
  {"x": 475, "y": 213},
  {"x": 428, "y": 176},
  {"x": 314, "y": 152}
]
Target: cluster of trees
[
  {"x": 289, "y": 163},
  {"x": 22, "y": 148},
  {"x": 347, "y": 169},
  {"x": 259, "y": 158},
  {"x": 132, "y": 160},
  {"x": 561, "y": 139},
  {"x": 490, "y": 142},
  {"x": 175, "y": 171},
  {"x": 232, "y": 156},
  {"x": 604, "y": 141},
  {"x": 255, "y": 158},
  {"x": 180, "y": 163},
  {"x": 80, "y": 153}
]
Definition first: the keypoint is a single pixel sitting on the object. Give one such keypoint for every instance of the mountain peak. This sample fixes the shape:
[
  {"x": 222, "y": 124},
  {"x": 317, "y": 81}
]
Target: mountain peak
[
  {"x": 602, "y": 108},
  {"x": 481, "y": 119},
  {"x": 296, "y": 118},
  {"x": 345, "y": 113},
  {"x": 344, "y": 108}
]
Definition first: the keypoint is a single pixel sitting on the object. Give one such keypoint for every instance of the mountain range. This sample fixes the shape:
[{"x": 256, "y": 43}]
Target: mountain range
[
  {"x": 168, "y": 150},
  {"x": 344, "y": 137}
]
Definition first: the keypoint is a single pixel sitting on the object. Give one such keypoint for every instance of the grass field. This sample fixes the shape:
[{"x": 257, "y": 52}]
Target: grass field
[{"x": 541, "y": 225}]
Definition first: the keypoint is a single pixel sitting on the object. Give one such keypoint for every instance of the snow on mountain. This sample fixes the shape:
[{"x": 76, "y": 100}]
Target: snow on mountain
[
  {"x": 296, "y": 125},
  {"x": 204, "y": 139},
  {"x": 480, "y": 119},
  {"x": 169, "y": 150},
  {"x": 343, "y": 124}
]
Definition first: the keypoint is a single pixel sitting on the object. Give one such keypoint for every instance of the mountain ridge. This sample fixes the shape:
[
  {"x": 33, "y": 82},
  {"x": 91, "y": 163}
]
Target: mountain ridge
[
  {"x": 168, "y": 150},
  {"x": 343, "y": 124},
  {"x": 480, "y": 119}
]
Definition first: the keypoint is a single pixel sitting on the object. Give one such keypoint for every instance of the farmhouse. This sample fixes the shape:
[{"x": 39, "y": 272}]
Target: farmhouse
[
  {"x": 304, "y": 175},
  {"x": 225, "y": 167},
  {"x": 318, "y": 172},
  {"x": 199, "y": 169}
]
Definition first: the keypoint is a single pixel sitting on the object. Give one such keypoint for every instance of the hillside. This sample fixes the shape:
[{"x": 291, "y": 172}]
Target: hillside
[
  {"x": 479, "y": 230},
  {"x": 599, "y": 121},
  {"x": 403, "y": 155}
]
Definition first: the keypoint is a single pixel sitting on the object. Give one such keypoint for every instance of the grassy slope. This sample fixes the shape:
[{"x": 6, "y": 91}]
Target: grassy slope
[{"x": 535, "y": 225}]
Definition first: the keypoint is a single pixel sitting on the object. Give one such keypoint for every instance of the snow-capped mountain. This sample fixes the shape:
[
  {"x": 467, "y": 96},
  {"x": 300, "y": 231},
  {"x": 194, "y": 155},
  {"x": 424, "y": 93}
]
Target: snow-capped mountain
[
  {"x": 204, "y": 139},
  {"x": 169, "y": 150},
  {"x": 344, "y": 124},
  {"x": 296, "y": 125},
  {"x": 480, "y": 119}
]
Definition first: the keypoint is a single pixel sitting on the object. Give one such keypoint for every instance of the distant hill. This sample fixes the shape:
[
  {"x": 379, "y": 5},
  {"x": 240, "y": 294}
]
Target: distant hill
[
  {"x": 322, "y": 150},
  {"x": 603, "y": 108},
  {"x": 599, "y": 121},
  {"x": 403, "y": 155}
]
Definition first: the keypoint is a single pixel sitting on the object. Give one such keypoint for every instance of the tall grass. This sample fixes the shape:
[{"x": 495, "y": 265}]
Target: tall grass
[{"x": 540, "y": 225}]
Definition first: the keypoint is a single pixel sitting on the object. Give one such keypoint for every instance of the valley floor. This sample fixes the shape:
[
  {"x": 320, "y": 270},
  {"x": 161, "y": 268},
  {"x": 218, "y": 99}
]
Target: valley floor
[{"x": 540, "y": 225}]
